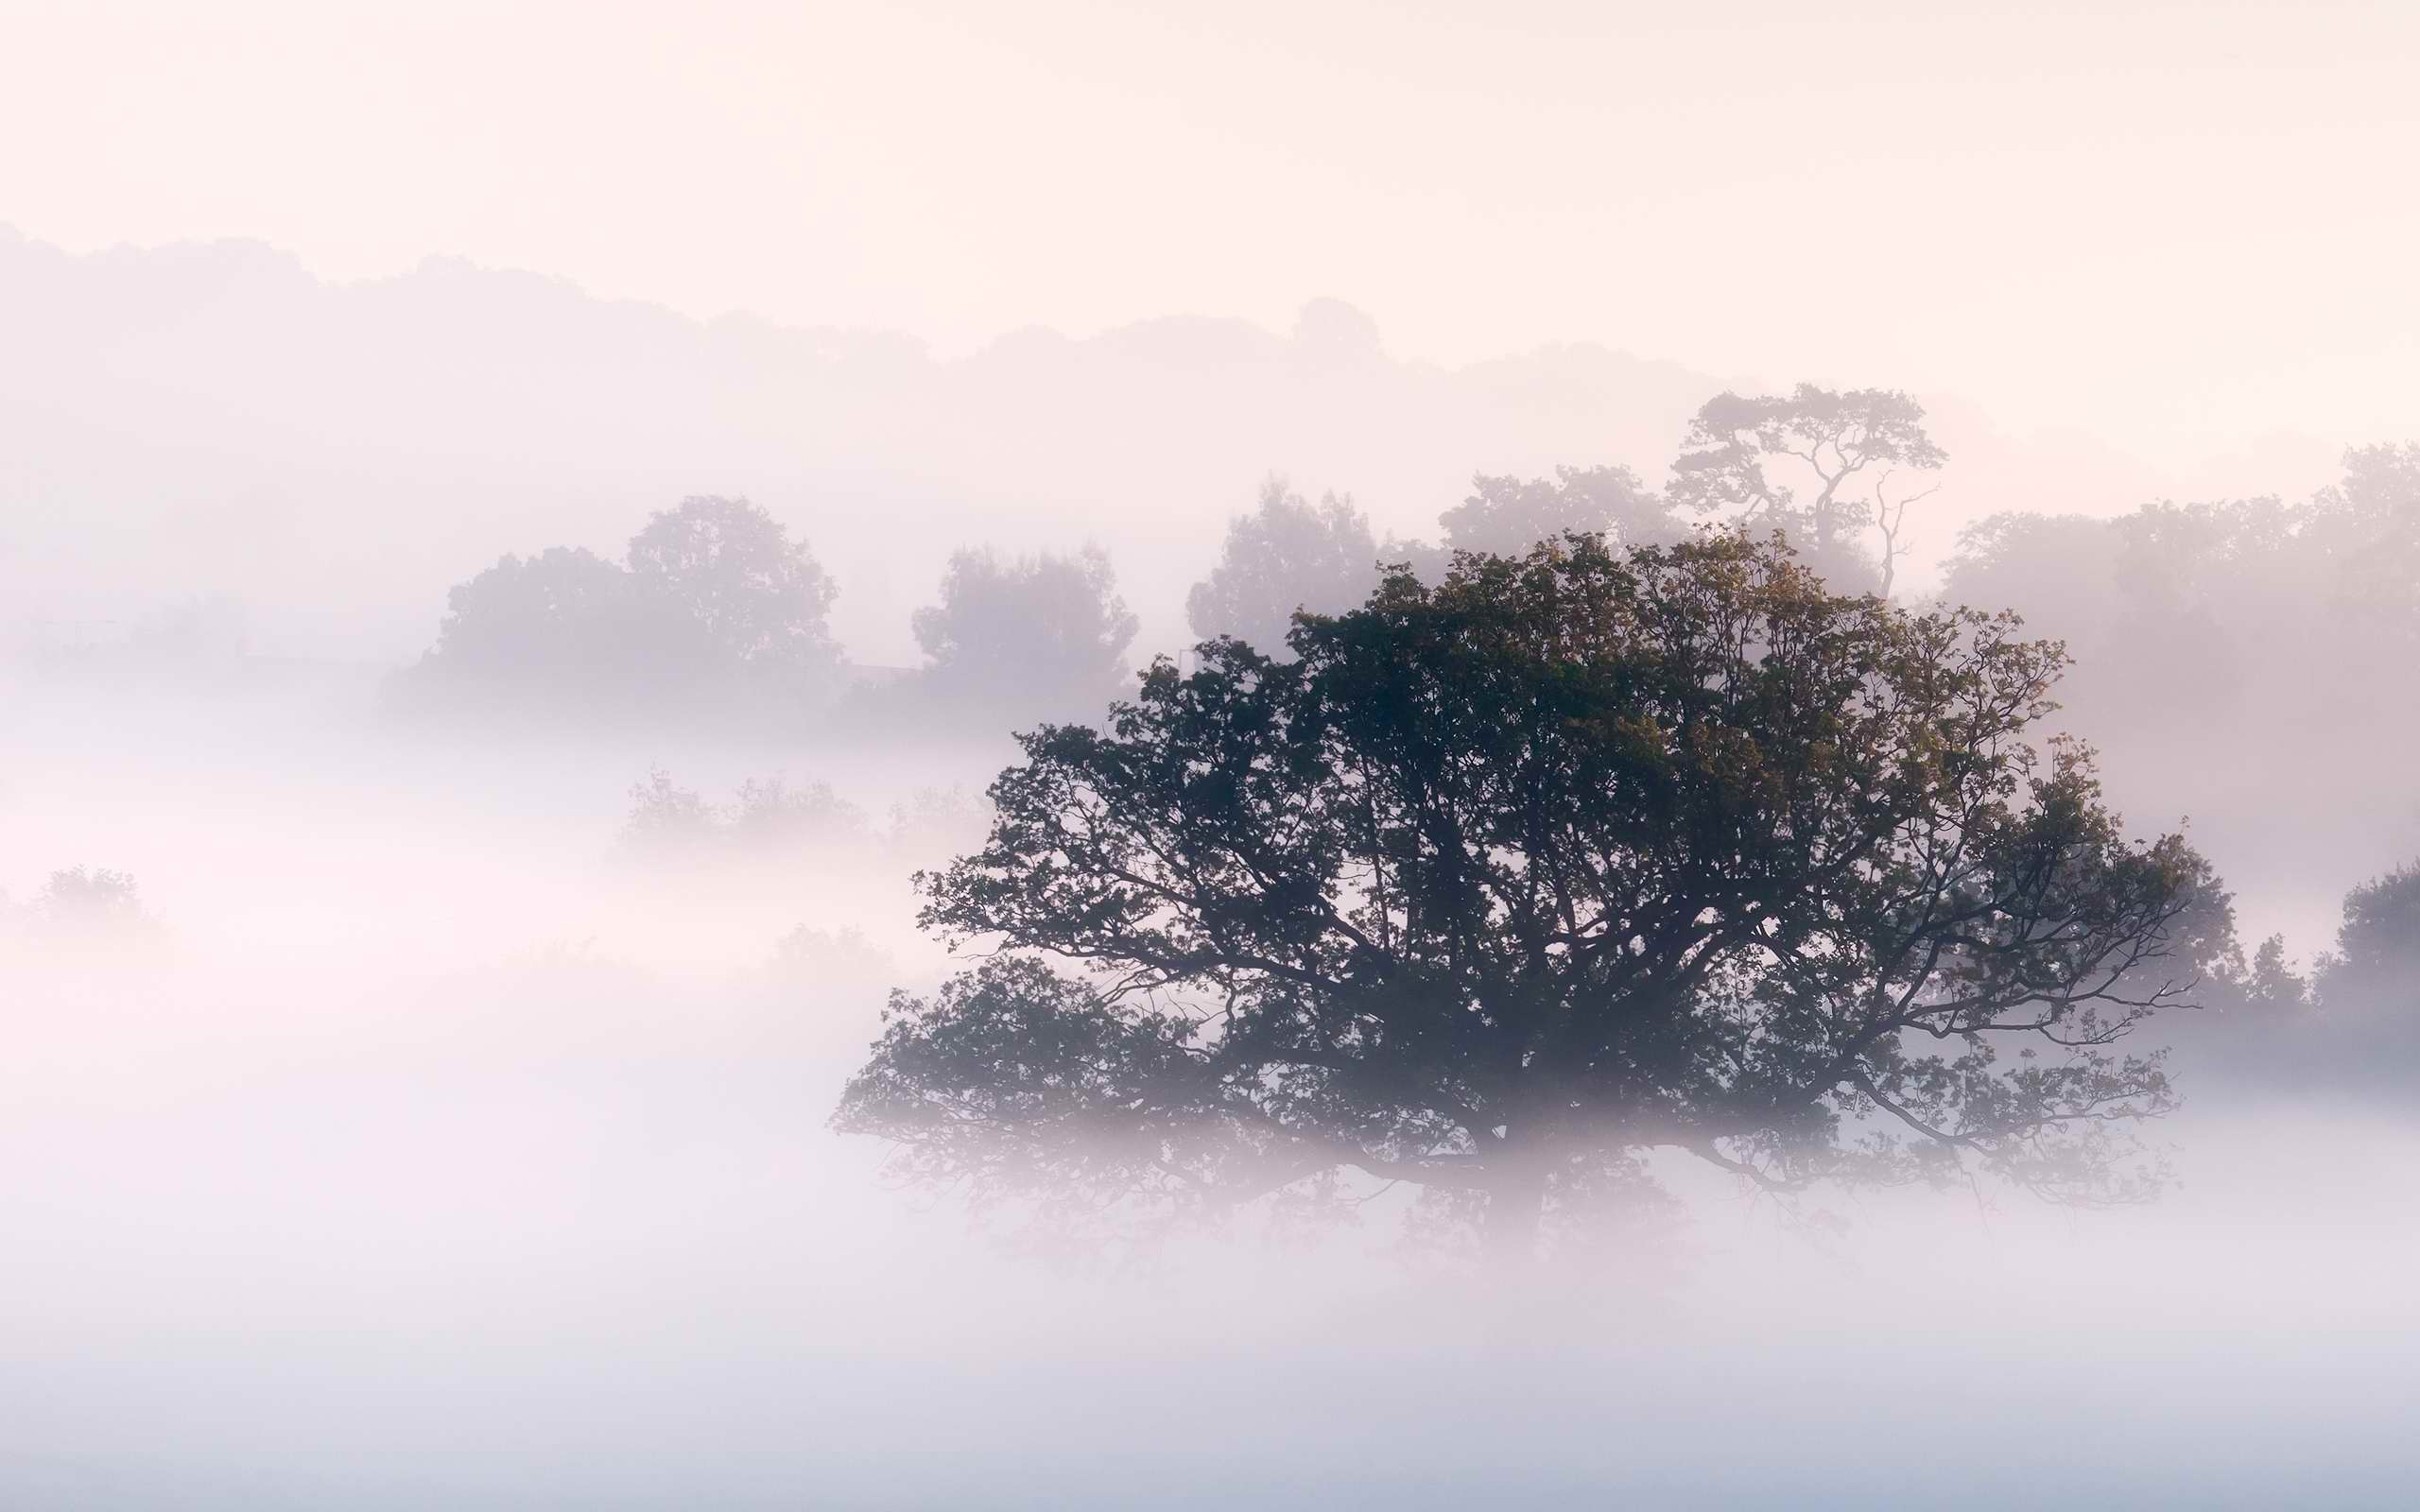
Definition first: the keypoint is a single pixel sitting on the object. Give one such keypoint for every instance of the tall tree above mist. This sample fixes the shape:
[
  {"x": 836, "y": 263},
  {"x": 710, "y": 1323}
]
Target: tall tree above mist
[
  {"x": 1286, "y": 555},
  {"x": 1504, "y": 881},
  {"x": 760, "y": 597},
  {"x": 1830, "y": 468},
  {"x": 1042, "y": 631}
]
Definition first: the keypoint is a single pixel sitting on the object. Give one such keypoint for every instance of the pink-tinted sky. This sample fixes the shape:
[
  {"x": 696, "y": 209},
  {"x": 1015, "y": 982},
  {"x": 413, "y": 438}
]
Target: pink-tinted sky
[{"x": 2187, "y": 223}]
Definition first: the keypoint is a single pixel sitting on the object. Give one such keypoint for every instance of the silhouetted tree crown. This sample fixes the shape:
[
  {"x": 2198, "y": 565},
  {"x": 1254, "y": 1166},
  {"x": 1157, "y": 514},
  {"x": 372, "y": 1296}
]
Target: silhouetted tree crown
[
  {"x": 716, "y": 604},
  {"x": 1043, "y": 631},
  {"x": 1569, "y": 856},
  {"x": 568, "y": 622},
  {"x": 1828, "y": 467},
  {"x": 1507, "y": 516},
  {"x": 1286, "y": 555},
  {"x": 2375, "y": 964},
  {"x": 759, "y": 596}
]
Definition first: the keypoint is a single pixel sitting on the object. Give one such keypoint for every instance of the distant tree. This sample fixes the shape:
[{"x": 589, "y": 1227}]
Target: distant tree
[
  {"x": 2060, "y": 567},
  {"x": 2369, "y": 528},
  {"x": 2375, "y": 964},
  {"x": 1507, "y": 516},
  {"x": 1286, "y": 555},
  {"x": 565, "y": 627},
  {"x": 759, "y": 596},
  {"x": 1041, "y": 632},
  {"x": 1506, "y": 880},
  {"x": 1827, "y": 466}
]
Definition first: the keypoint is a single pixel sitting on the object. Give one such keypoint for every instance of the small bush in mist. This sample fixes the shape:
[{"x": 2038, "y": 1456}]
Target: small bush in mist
[
  {"x": 935, "y": 823},
  {"x": 86, "y": 913},
  {"x": 768, "y": 817},
  {"x": 768, "y": 814},
  {"x": 668, "y": 819},
  {"x": 831, "y": 957}
]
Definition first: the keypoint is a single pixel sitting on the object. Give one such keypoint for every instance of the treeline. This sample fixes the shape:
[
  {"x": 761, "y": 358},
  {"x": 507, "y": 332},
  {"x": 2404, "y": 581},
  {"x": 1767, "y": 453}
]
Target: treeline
[
  {"x": 714, "y": 611},
  {"x": 2216, "y": 605}
]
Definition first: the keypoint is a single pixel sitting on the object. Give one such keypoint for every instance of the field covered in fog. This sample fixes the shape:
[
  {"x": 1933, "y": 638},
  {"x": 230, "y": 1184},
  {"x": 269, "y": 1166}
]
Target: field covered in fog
[
  {"x": 440, "y": 1151},
  {"x": 442, "y": 1133}
]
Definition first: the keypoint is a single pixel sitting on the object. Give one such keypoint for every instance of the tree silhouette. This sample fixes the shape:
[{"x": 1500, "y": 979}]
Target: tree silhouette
[
  {"x": 1504, "y": 881},
  {"x": 1507, "y": 516},
  {"x": 2375, "y": 964},
  {"x": 1035, "y": 632},
  {"x": 566, "y": 627},
  {"x": 760, "y": 597},
  {"x": 1850, "y": 448},
  {"x": 1286, "y": 555}
]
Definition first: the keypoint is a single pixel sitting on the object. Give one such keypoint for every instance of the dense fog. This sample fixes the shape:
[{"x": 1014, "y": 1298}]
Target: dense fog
[
  {"x": 419, "y": 1095},
  {"x": 434, "y": 1140},
  {"x": 603, "y": 906}
]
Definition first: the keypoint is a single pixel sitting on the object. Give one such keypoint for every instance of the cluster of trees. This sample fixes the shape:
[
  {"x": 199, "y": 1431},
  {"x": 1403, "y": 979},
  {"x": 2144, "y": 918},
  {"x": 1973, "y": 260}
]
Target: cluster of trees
[
  {"x": 2213, "y": 606},
  {"x": 2347, "y": 1024},
  {"x": 716, "y": 605},
  {"x": 711, "y": 600},
  {"x": 1832, "y": 471},
  {"x": 714, "y": 610}
]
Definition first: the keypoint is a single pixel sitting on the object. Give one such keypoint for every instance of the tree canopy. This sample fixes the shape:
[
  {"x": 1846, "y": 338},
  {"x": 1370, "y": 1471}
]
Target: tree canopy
[
  {"x": 563, "y": 627},
  {"x": 1849, "y": 452},
  {"x": 716, "y": 606},
  {"x": 1041, "y": 631},
  {"x": 2375, "y": 964},
  {"x": 1503, "y": 881},
  {"x": 1286, "y": 555},
  {"x": 760, "y": 597},
  {"x": 1508, "y": 515}
]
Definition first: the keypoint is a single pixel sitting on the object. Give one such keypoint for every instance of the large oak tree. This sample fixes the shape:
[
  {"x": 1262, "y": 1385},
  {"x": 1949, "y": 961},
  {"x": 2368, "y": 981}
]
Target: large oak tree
[{"x": 1505, "y": 880}]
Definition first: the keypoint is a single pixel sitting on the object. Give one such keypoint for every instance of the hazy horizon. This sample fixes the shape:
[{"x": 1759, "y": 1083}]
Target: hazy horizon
[{"x": 1977, "y": 196}]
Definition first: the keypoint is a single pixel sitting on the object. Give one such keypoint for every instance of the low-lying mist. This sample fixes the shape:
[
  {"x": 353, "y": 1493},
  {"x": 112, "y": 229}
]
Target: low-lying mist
[{"x": 438, "y": 1123}]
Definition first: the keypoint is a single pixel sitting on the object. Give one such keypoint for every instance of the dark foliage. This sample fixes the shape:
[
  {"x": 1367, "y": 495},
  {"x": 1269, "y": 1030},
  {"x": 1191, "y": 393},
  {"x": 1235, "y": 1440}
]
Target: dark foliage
[{"x": 1504, "y": 880}]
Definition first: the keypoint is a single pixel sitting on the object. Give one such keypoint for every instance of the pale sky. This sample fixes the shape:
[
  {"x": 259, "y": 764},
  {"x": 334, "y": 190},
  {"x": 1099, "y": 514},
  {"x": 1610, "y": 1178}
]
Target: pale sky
[{"x": 2189, "y": 224}]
